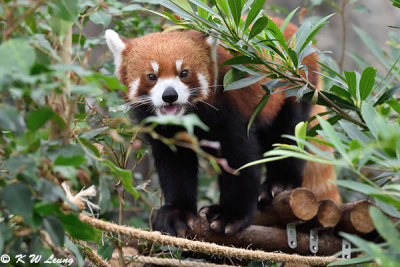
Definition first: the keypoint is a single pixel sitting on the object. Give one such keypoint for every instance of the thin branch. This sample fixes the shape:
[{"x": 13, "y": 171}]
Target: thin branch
[
  {"x": 344, "y": 34},
  {"x": 15, "y": 24}
]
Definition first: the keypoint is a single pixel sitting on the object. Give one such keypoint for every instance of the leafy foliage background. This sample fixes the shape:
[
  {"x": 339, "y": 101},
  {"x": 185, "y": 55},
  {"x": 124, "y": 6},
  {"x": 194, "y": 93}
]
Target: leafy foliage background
[{"x": 63, "y": 117}]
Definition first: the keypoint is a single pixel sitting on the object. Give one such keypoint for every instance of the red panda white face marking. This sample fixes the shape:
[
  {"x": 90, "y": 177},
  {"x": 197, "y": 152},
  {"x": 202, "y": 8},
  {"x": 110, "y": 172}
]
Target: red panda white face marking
[
  {"x": 203, "y": 84},
  {"x": 133, "y": 87},
  {"x": 169, "y": 73},
  {"x": 178, "y": 64},
  {"x": 169, "y": 96},
  {"x": 155, "y": 66}
]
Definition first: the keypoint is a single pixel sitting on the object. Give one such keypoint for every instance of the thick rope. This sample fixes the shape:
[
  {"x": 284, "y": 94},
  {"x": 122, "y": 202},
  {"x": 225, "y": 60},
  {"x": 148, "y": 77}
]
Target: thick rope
[
  {"x": 175, "y": 262},
  {"x": 91, "y": 255},
  {"x": 206, "y": 247}
]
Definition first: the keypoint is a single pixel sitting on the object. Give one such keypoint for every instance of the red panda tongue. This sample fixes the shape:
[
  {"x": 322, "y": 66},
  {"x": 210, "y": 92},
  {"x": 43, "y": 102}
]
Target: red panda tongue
[{"x": 171, "y": 109}]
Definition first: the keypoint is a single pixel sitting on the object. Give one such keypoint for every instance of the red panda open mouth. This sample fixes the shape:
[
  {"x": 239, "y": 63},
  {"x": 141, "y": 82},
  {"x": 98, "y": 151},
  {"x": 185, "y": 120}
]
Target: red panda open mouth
[{"x": 171, "y": 109}]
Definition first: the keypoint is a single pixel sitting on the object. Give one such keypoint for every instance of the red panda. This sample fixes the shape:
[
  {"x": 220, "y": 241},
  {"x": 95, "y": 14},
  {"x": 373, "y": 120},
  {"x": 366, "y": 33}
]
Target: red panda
[{"x": 174, "y": 73}]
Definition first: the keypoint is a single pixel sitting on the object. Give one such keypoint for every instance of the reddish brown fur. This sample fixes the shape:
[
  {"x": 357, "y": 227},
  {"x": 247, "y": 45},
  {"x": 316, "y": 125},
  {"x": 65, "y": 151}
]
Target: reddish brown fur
[
  {"x": 193, "y": 49},
  {"x": 316, "y": 175}
]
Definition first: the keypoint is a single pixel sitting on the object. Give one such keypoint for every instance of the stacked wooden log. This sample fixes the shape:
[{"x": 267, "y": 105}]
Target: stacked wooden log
[{"x": 301, "y": 208}]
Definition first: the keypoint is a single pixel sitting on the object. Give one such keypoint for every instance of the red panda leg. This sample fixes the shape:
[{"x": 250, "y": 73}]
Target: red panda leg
[
  {"x": 238, "y": 193},
  {"x": 178, "y": 179},
  {"x": 285, "y": 174}
]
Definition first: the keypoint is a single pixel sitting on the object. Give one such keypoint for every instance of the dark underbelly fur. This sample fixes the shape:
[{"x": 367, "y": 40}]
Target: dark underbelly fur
[{"x": 239, "y": 194}]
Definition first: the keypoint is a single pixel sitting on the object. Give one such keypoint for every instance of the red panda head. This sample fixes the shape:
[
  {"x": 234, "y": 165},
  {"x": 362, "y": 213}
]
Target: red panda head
[{"x": 170, "y": 72}]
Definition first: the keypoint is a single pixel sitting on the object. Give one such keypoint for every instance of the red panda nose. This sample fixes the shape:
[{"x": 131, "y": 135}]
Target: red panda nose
[{"x": 170, "y": 95}]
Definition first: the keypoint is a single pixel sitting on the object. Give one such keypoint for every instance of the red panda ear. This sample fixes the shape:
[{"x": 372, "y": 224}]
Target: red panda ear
[{"x": 116, "y": 46}]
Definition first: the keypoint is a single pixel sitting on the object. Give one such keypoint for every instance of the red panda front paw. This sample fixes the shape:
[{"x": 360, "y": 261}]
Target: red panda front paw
[
  {"x": 225, "y": 221},
  {"x": 173, "y": 221}
]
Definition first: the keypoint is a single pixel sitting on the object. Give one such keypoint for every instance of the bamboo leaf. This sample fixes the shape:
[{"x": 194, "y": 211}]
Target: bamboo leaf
[
  {"x": 235, "y": 7},
  {"x": 243, "y": 82},
  {"x": 253, "y": 13},
  {"x": 367, "y": 82},
  {"x": 333, "y": 138},
  {"x": 385, "y": 228},
  {"x": 351, "y": 83},
  {"x": 288, "y": 19},
  {"x": 258, "y": 26},
  {"x": 259, "y": 108}
]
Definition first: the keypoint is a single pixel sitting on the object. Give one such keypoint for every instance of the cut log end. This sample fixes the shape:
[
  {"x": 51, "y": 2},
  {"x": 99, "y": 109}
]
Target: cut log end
[
  {"x": 328, "y": 213},
  {"x": 360, "y": 218},
  {"x": 304, "y": 204},
  {"x": 355, "y": 218}
]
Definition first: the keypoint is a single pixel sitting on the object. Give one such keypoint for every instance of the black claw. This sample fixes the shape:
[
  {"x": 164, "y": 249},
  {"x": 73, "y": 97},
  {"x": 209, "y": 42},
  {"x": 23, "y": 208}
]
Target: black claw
[
  {"x": 173, "y": 221},
  {"x": 224, "y": 221}
]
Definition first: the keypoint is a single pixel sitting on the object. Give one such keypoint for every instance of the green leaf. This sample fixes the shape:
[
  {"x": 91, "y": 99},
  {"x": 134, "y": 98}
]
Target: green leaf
[
  {"x": 351, "y": 83},
  {"x": 259, "y": 108},
  {"x": 340, "y": 91},
  {"x": 394, "y": 104},
  {"x": 385, "y": 228},
  {"x": 50, "y": 192},
  {"x": 332, "y": 137},
  {"x": 93, "y": 133},
  {"x": 104, "y": 197},
  {"x": 11, "y": 119},
  {"x": 293, "y": 57},
  {"x": 354, "y": 132},
  {"x": 55, "y": 229},
  {"x": 357, "y": 186},
  {"x": 352, "y": 262},
  {"x": 18, "y": 199},
  {"x": 233, "y": 75},
  {"x": 373, "y": 46},
  {"x": 235, "y": 7},
  {"x": 258, "y": 26},
  {"x": 367, "y": 82},
  {"x": 288, "y": 19},
  {"x": 306, "y": 34},
  {"x": 223, "y": 5},
  {"x": 75, "y": 251},
  {"x": 101, "y": 17},
  {"x": 60, "y": 26},
  {"x": 38, "y": 118},
  {"x": 74, "y": 161},
  {"x": 243, "y": 82},
  {"x": 371, "y": 118},
  {"x": 253, "y": 13},
  {"x": 300, "y": 131},
  {"x": 89, "y": 145},
  {"x": 188, "y": 121},
  {"x": 387, "y": 94},
  {"x": 17, "y": 56},
  {"x": 78, "y": 229},
  {"x": 241, "y": 60},
  {"x": 130, "y": 8},
  {"x": 105, "y": 252},
  {"x": 184, "y": 4},
  {"x": 125, "y": 176},
  {"x": 277, "y": 34},
  {"x": 65, "y": 9},
  {"x": 338, "y": 101}
]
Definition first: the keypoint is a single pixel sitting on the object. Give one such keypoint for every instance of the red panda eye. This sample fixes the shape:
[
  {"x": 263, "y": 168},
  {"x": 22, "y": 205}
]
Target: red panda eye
[
  {"x": 152, "y": 77},
  {"x": 184, "y": 74}
]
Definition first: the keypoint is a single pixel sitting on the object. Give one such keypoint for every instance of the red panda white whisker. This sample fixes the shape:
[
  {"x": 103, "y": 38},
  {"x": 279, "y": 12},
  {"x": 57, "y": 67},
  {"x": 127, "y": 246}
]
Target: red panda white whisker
[{"x": 205, "y": 102}]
